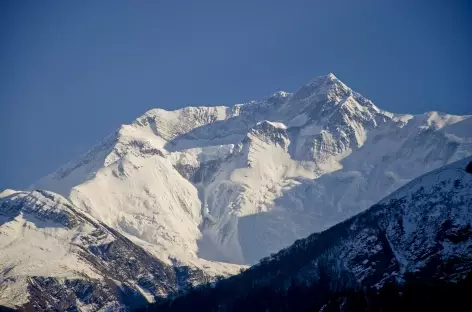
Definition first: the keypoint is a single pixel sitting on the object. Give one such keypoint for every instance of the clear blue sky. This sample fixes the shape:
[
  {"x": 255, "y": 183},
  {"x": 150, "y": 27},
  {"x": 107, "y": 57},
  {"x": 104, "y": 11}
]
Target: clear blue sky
[{"x": 73, "y": 71}]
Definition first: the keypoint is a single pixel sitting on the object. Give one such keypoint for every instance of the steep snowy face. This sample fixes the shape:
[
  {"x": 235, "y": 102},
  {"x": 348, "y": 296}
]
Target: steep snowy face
[
  {"x": 146, "y": 198},
  {"x": 54, "y": 256},
  {"x": 239, "y": 185},
  {"x": 236, "y": 183}
]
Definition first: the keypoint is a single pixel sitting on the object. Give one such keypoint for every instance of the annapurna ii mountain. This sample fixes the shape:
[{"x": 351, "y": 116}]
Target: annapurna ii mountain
[{"x": 237, "y": 183}]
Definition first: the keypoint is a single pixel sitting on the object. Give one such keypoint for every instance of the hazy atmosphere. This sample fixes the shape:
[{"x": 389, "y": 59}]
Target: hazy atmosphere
[{"x": 72, "y": 72}]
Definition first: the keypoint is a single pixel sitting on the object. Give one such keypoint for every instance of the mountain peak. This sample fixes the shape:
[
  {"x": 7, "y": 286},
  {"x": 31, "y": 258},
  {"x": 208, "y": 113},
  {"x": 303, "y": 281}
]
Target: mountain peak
[
  {"x": 329, "y": 78},
  {"x": 328, "y": 85},
  {"x": 281, "y": 94},
  {"x": 154, "y": 163}
]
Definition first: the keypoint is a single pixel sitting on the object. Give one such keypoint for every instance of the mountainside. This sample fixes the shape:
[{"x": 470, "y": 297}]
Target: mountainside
[
  {"x": 419, "y": 234},
  {"x": 236, "y": 183},
  {"x": 55, "y": 257},
  {"x": 179, "y": 198}
]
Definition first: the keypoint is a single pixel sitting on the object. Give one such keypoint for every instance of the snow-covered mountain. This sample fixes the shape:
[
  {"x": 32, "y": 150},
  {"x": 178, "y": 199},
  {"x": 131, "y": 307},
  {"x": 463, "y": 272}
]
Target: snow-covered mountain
[
  {"x": 55, "y": 257},
  {"x": 421, "y": 232},
  {"x": 236, "y": 183}
]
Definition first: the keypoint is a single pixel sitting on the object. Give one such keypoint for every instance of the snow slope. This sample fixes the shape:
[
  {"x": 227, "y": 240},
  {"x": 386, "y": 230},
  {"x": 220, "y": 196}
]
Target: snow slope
[
  {"x": 237, "y": 183},
  {"x": 55, "y": 256}
]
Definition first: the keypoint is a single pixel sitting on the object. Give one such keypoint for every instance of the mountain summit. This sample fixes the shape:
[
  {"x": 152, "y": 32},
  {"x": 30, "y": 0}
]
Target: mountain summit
[{"x": 236, "y": 183}]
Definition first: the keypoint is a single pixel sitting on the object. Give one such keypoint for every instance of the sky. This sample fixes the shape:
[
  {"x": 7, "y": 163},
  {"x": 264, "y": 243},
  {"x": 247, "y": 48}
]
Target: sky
[{"x": 71, "y": 72}]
